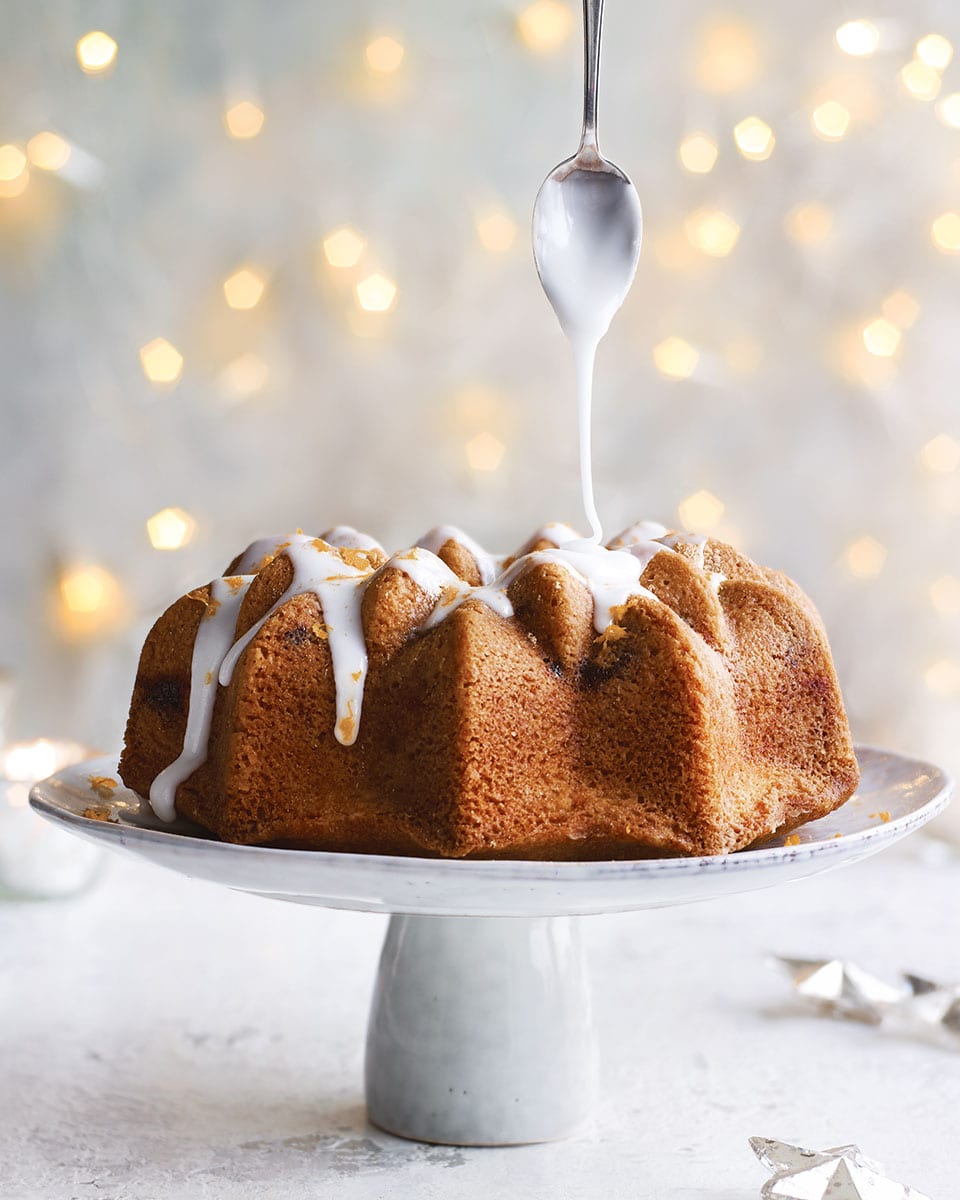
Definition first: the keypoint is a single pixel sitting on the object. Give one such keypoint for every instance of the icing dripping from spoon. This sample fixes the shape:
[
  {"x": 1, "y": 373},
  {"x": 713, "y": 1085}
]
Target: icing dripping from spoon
[{"x": 587, "y": 226}]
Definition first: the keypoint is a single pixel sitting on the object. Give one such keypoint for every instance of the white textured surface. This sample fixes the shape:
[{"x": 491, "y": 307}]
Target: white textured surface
[{"x": 166, "y": 1039}]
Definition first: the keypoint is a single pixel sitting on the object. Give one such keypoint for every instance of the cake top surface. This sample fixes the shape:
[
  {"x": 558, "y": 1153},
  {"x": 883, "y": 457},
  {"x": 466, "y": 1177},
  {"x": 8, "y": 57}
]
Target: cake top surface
[{"x": 447, "y": 567}]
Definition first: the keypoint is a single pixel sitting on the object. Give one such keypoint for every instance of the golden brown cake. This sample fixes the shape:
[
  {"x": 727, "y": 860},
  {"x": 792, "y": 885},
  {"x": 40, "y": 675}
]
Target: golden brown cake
[{"x": 665, "y": 695}]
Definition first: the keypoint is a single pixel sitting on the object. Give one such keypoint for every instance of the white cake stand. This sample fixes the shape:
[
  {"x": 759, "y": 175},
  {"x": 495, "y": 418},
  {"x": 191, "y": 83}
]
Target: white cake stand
[{"x": 481, "y": 1030}]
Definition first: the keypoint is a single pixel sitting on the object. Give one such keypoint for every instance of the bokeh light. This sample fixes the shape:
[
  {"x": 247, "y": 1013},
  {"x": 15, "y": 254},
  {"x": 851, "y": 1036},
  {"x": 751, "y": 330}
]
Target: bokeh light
[
  {"x": 809, "y": 224},
  {"x": 545, "y": 25},
  {"x": 675, "y": 358},
  {"x": 161, "y": 361},
  {"x": 901, "y": 308},
  {"x": 14, "y": 173},
  {"x": 754, "y": 139},
  {"x": 701, "y": 512},
  {"x": 496, "y": 230},
  {"x": 712, "y": 231},
  {"x": 831, "y": 120},
  {"x": 919, "y": 80},
  {"x": 170, "y": 529},
  {"x": 866, "y": 557},
  {"x": 376, "y": 293},
  {"x": 91, "y": 601},
  {"x": 943, "y": 677},
  {"x": 881, "y": 337},
  {"x": 948, "y": 110},
  {"x": 96, "y": 52},
  {"x": 727, "y": 58},
  {"x": 243, "y": 377},
  {"x": 48, "y": 150},
  {"x": 485, "y": 452},
  {"x": 244, "y": 120},
  {"x": 945, "y": 232},
  {"x": 858, "y": 38},
  {"x": 244, "y": 288},
  {"x": 343, "y": 247},
  {"x": 384, "y": 54},
  {"x": 698, "y": 153},
  {"x": 945, "y": 595},
  {"x": 935, "y": 51},
  {"x": 941, "y": 454}
]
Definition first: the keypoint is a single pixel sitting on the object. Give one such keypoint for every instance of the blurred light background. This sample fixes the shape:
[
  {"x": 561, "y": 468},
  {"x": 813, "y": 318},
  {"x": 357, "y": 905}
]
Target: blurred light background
[{"x": 268, "y": 266}]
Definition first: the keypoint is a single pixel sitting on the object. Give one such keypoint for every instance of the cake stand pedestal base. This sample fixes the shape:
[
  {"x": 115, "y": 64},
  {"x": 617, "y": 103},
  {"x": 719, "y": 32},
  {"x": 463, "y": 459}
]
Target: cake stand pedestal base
[{"x": 481, "y": 1031}]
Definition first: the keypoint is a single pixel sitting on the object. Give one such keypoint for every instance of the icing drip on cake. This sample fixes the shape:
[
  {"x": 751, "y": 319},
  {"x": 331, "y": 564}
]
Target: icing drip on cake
[
  {"x": 336, "y": 584},
  {"x": 611, "y": 575},
  {"x": 259, "y": 553},
  {"x": 346, "y": 535},
  {"x": 554, "y": 532},
  {"x": 640, "y": 531},
  {"x": 487, "y": 564},
  {"x": 214, "y": 638}
]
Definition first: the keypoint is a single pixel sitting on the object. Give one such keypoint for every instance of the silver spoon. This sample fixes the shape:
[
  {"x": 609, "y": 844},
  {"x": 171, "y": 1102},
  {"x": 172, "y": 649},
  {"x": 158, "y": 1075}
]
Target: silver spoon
[{"x": 587, "y": 221}]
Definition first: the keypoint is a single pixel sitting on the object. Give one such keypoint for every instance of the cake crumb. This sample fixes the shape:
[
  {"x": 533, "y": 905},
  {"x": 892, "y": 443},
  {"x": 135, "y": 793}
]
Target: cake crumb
[
  {"x": 448, "y": 595},
  {"x": 320, "y": 631},
  {"x": 882, "y": 815},
  {"x": 792, "y": 840},
  {"x": 103, "y": 785},
  {"x": 234, "y": 582},
  {"x": 355, "y": 558},
  {"x": 606, "y": 655},
  {"x": 208, "y": 678},
  {"x": 212, "y": 607},
  {"x": 347, "y": 727},
  {"x": 356, "y": 675},
  {"x": 100, "y": 813}
]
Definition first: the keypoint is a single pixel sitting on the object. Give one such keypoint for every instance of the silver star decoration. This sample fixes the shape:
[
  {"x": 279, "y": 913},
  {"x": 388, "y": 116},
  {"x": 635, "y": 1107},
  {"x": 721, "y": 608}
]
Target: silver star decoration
[
  {"x": 932, "y": 1008},
  {"x": 840, "y": 1173},
  {"x": 842, "y": 989},
  {"x": 917, "y": 1006}
]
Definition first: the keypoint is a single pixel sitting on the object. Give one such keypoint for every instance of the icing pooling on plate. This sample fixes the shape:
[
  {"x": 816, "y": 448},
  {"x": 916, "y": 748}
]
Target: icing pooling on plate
[
  {"x": 215, "y": 635},
  {"x": 611, "y": 575}
]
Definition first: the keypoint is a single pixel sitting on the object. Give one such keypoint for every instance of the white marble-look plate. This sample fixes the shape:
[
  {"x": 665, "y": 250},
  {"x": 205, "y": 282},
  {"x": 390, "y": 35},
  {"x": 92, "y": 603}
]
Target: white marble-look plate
[{"x": 896, "y": 796}]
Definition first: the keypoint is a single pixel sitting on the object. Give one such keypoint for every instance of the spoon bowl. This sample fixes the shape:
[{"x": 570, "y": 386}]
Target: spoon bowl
[{"x": 587, "y": 229}]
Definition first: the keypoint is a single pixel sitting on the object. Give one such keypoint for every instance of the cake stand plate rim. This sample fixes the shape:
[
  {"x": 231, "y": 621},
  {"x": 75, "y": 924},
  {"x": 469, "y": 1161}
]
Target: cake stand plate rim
[{"x": 914, "y": 790}]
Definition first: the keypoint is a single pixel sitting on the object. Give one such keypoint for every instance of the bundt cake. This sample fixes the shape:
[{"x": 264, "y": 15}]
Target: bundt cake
[{"x": 662, "y": 695}]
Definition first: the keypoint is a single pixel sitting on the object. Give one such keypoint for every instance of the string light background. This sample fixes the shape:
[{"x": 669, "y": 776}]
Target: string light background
[{"x": 270, "y": 267}]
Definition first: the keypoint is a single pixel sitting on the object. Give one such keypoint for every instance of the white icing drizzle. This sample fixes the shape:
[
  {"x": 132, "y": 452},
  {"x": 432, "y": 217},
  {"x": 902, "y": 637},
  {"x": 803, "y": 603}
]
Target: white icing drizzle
[
  {"x": 432, "y": 575},
  {"x": 346, "y": 535},
  {"x": 554, "y": 532},
  {"x": 338, "y": 586},
  {"x": 214, "y": 637},
  {"x": 643, "y": 552},
  {"x": 263, "y": 549},
  {"x": 612, "y": 576},
  {"x": 640, "y": 531},
  {"x": 697, "y": 540},
  {"x": 487, "y": 564}
]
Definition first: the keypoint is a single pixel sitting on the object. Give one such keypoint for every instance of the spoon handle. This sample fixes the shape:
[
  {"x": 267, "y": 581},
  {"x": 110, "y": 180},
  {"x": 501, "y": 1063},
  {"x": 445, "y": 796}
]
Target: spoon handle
[{"x": 592, "y": 21}]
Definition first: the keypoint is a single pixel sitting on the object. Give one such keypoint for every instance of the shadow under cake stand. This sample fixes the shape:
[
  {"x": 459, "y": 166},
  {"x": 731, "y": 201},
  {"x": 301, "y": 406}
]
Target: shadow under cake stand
[{"x": 481, "y": 1031}]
